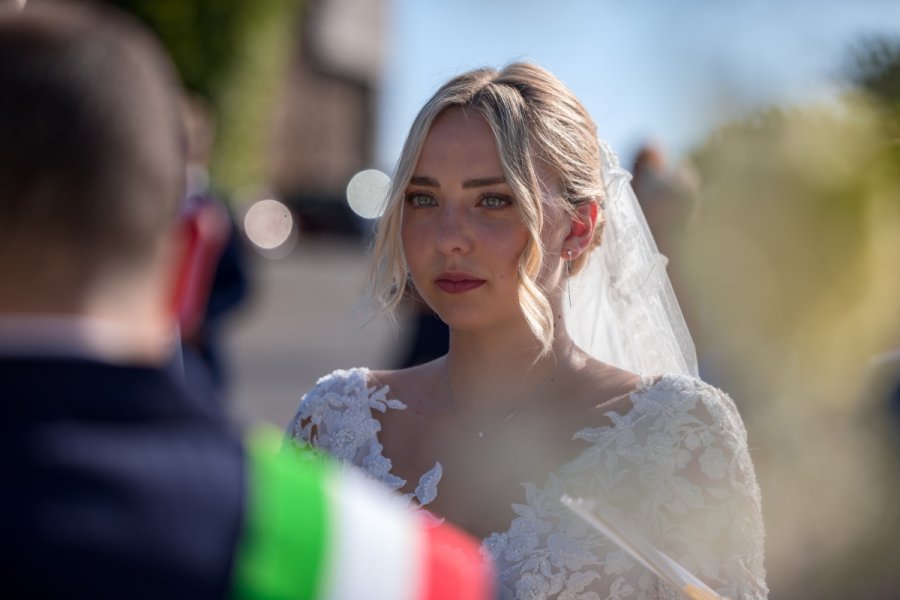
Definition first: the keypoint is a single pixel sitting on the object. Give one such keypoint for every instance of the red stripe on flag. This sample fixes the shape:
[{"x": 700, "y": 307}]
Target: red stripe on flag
[{"x": 453, "y": 566}]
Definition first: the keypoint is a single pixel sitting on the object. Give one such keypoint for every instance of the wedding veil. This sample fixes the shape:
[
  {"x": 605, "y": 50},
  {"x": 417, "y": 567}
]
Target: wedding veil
[{"x": 621, "y": 308}]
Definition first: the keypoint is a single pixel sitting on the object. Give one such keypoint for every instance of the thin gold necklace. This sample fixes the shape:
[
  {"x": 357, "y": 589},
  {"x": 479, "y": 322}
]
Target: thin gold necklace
[{"x": 519, "y": 406}]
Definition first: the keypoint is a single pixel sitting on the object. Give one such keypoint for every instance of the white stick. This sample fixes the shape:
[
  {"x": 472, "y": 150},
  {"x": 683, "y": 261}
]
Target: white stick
[{"x": 605, "y": 519}]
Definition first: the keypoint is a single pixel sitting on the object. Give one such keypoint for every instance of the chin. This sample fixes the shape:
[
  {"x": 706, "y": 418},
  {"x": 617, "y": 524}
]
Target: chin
[{"x": 462, "y": 320}]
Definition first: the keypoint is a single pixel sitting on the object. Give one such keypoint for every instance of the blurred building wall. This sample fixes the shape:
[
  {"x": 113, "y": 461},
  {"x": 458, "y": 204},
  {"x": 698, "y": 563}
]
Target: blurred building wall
[{"x": 326, "y": 125}]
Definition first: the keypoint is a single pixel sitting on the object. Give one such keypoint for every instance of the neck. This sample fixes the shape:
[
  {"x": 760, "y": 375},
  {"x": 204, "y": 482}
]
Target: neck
[
  {"x": 114, "y": 326},
  {"x": 490, "y": 374},
  {"x": 80, "y": 336}
]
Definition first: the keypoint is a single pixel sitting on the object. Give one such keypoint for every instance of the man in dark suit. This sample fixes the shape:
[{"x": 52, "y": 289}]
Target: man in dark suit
[{"x": 115, "y": 480}]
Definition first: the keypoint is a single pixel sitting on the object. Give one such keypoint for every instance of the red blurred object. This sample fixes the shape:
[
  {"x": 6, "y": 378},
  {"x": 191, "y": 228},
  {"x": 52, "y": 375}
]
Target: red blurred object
[
  {"x": 207, "y": 227},
  {"x": 455, "y": 566}
]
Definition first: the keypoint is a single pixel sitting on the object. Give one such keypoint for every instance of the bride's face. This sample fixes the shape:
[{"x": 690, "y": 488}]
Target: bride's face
[{"x": 461, "y": 230}]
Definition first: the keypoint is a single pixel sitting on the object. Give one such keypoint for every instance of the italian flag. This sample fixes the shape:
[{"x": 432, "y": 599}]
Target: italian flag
[{"x": 314, "y": 530}]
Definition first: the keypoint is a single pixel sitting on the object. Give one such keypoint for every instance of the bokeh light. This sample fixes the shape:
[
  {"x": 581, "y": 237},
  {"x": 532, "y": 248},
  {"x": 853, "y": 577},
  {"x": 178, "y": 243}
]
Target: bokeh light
[
  {"x": 269, "y": 225},
  {"x": 367, "y": 193}
]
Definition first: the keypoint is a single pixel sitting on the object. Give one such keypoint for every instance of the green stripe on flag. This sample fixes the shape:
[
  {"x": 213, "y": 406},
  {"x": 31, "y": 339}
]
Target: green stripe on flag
[{"x": 283, "y": 546}]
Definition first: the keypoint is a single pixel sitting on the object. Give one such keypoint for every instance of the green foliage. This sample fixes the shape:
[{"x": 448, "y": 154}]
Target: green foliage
[
  {"x": 788, "y": 219},
  {"x": 795, "y": 267},
  {"x": 792, "y": 191},
  {"x": 235, "y": 54},
  {"x": 249, "y": 101},
  {"x": 203, "y": 36},
  {"x": 874, "y": 67}
]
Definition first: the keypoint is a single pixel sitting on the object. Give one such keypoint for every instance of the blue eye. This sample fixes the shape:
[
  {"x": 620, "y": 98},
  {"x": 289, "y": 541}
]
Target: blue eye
[
  {"x": 495, "y": 201},
  {"x": 418, "y": 200}
]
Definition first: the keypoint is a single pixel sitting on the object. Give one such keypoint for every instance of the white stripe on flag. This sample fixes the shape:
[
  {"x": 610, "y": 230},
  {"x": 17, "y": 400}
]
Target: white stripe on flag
[{"x": 377, "y": 547}]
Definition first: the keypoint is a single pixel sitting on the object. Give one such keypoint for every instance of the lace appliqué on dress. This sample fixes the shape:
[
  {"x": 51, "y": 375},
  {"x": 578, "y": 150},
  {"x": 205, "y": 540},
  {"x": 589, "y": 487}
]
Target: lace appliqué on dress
[
  {"x": 337, "y": 415},
  {"x": 676, "y": 463}
]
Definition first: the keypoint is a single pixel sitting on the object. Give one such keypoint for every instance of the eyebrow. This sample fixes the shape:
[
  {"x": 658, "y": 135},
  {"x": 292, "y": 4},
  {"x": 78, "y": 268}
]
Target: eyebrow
[{"x": 469, "y": 183}]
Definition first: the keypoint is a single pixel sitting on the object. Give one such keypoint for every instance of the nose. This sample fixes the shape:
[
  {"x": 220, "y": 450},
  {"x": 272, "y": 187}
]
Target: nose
[{"x": 453, "y": 235}]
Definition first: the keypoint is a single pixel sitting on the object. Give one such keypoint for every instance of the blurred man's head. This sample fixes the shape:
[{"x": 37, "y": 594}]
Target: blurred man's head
[{"x": 91, "y": 161}]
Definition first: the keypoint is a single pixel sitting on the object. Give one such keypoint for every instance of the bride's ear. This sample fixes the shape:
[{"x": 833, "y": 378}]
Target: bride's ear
[{"x": 581, "y": 228}]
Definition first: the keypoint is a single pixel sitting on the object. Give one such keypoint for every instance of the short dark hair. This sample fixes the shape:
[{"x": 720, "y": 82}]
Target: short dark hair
[{"x": 91, "y": 155}]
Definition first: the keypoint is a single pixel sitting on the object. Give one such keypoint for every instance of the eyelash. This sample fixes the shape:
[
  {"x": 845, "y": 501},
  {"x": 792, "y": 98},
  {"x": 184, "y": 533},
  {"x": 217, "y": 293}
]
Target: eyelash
[
  {"x": 504, "y": 199},
  {"x": 411, "y": 196}
]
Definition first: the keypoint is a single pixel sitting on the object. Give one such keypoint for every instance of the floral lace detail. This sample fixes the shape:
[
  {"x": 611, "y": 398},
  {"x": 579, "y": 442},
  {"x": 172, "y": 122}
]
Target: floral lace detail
[
  {"x": 337, "y": 415},
  {"x": 676, "y": 464}
]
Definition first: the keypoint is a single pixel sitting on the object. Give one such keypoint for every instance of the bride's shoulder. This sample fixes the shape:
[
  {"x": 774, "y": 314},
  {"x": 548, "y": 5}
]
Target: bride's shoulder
[
  {"x": 600, "y": 387},
  {"x": 339, "y": 410},
  {"x": 681, "y": 405},
  {"x": 620, "y": 397},
  {"x": 340, "y": 382},
  {"x": 353, "y": 391},
  {"x": 360, "y": 386},
  {"x": 615, "y": 387},
  {"x": 679, "y": 393},
  {"x": 410, "y": 383}
]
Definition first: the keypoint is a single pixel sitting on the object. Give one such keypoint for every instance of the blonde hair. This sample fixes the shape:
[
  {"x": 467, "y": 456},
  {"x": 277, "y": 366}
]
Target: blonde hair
[{"x": 533, "y": 116}]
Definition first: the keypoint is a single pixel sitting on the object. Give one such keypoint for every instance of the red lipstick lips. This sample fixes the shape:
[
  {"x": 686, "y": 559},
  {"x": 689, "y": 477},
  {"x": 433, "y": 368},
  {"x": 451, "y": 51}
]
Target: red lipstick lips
[{"x": 457, "y": 283}]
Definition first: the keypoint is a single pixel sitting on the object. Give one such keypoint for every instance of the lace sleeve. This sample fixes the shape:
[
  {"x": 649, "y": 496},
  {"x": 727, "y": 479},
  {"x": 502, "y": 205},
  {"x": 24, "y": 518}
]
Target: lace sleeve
[
  {"x": 677, "y": 466},
  {"x": 336, "y": 416},
  {"x": 682, "y": 472}
]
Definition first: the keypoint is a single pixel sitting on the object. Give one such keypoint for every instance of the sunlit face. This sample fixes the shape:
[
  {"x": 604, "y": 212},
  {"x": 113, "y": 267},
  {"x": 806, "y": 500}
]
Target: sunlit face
[{"x": 461, "y": 229}]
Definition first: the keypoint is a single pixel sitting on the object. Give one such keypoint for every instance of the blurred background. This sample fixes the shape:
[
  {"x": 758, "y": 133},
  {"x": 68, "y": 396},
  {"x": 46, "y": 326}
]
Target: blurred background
[{"x": 765, "y": 141}]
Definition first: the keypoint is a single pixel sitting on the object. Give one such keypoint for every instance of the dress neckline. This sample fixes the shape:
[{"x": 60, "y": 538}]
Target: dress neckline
[{"x": 645, "y": 384}]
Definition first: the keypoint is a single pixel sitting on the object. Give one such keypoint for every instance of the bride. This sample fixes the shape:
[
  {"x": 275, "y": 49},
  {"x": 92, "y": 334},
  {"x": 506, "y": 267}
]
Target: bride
[{"x": 569, "y": 369}]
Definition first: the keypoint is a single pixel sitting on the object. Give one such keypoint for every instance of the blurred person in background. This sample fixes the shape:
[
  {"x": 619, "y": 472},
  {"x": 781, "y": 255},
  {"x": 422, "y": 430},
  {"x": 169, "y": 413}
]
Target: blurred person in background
[
  {"x": 119, "y": 481},
  {"x": 882, "y": 382},
  {"x": 668, "y": 197},
  {"x": 226, "y": 279},
  {"x": 429, "y": 338},
  {"x": 569, "y": 368}
]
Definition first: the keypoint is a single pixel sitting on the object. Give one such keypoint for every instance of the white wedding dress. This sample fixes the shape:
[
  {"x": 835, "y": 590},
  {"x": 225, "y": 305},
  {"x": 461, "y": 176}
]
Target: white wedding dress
[{"x": 676, "y": 464}]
